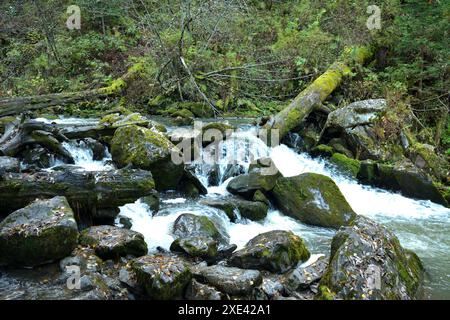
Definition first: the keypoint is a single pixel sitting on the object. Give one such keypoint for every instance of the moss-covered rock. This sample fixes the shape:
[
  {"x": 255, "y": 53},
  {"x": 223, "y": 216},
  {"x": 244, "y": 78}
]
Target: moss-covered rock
[
  {"x": 368, "y": 262},
  {"x": 190, "y": 225},
  {"x": 403, "y": 177},
  {"x": 149, "y": 150},
  {"x": 196, "y": 246},
  {"x": 322, "y": 150},
  {"x": 345, "y": 164},
  {"x": 42, "y": 232},
  {"x": 246, "y": 185},
  {"x": 313, "y": 199},
  {"x": 275, "y": 251},
  {"x": 112, "y": 242},
  {"x": 164, "y": 277}
]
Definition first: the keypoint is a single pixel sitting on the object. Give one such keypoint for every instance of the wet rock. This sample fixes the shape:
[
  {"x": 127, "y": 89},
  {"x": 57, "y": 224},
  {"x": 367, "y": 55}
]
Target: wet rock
[
  {"x": 252, "y": 210},
  {"x": 98, "y": 149},
  {"x": 125, "y": 222},
  {"x": 37, "y": 157},
  {"x": 231, "y": 171},
  {"x": 354, "y": 123},
  {"x": 9, "y": 164},
  {"x": 164, "y": 277},
  {"x": 42, "y": 232},
  {"x": 91, "y": 194},
  {"x": 191, "y": 185},
  {"x": 149, "y": 150},
  {"x": 322, "y": 150},
  {"x": 246, "y": 185},
  {"x": 304, "y": 275},
  {"x": 196, "y": 246},
  {"x": 190, "y": 225},
  {"x": 113, "y": 242},
  {"x": 346, "y": 165},
  {"x": 199, "y": 291},
  {"x": 233, "y": 281},
  {"x": 275, "y": 251},
  {"x": 313, "y": 199},
  {"x": 403, "y": 177},
  {"x": 368, "y": 262},
  {"x": 152, "y": 201}
]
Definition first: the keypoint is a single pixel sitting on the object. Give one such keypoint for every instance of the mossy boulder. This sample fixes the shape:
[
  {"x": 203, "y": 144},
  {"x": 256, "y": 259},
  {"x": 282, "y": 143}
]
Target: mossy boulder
[
  {"x": 346, "y": 165},
  {"x": 222, "y": 127},
  {"x": 164, "y": 277},
  {"x": 196, "y": 246},
  {"x": 314, "y": 199},
  {"x": 276, "y": 251},
  {"x": 191, "y": 225},
  {"x": 200, "y": 291},
  {"x": 403, "y": 177},
  {"x": 42, "y": 232},
  {"x": 367, "y": 262},
  {"x": 322, "y": 150},
  {"x": 149, "y": 150},
  {"x": 112, "y": 242},
  {"x": 246, "y": 185},
  {"x": 117, "y": 120}
]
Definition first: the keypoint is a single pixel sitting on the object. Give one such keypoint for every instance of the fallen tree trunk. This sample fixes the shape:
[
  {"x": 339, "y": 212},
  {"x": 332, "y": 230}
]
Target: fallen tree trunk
[
  {"x": 13, "y": 106},
  {"x": 90, "y": 194},
  {"x": 318, "y": 91},
  {"x": 19, "y": 134}
]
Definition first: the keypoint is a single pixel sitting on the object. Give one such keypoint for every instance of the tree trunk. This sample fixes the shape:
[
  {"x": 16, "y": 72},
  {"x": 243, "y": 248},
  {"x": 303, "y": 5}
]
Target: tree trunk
[
  {"x": 317, "y": 92},
  {"x": 13, "y": 106}
]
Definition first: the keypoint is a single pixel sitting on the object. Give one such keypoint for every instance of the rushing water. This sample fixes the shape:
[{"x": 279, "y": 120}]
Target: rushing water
[{"x": 421, "y": 226}]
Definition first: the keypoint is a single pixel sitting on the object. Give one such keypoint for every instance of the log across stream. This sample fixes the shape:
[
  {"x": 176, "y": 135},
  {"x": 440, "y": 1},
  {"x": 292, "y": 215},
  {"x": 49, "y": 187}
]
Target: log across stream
[{"x": 421, "y": 226}]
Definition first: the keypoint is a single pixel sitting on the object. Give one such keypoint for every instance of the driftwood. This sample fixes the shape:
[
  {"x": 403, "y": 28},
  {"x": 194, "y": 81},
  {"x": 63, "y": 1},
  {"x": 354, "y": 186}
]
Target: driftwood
[
  {"x": 318, "y": 91},
  {"x": 94, "y": 194},
  {"x": 14, "y": 106},
  {"x": 19, "y": 134}
]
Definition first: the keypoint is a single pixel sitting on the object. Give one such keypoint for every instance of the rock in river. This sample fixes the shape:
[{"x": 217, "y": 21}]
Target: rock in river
[
  {"x": 275, "y": 251},
  {"x": 42, "y": 232},
  {"x": 113, "y": 242},
  {"x": 149, "y": 150},
  {"x": 253, "y": 210},
  {"x": 233, "y": 281},
  {"x": 313, "y": 199},
  {"x": 368, "y": 262},
  {"x": 164, "y": 277}
]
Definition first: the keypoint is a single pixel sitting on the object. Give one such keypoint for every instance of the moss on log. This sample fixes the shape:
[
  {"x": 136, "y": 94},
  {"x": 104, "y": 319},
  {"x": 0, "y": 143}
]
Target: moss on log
[{"x": 318, "y": 91}]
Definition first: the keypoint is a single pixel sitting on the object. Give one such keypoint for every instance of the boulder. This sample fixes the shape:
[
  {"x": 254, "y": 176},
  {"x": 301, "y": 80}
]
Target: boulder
[
  {"x": 303, "y": 276},
  {"x": 246, "y": 185},
  {"x": 229, "y": 280},
  {"x": 368, "y": 262},
  {"x": 191, "y": 185},
  {"x": 42, "y": 232},
  {"x": 403, "y": 177},
  {"x": 164, "y": 277},
  {"x": 149, "y": 150},
  {"x": 345, "y": 164},
  {"x": 9, "y": 164},
  {"x": 253, "y": 210},
  {"x": 354, "y": 124},
  {"x": 200, "y": 291},
  {"x": 196, "y": 246},
  {"x": 190, "y": 225},
  {"x": 112, "y": 242},
  {"x": 152, "y": 201},
  {"x": 313, "y": 199},
  {"x": 98, "y": 149},
  {"x": 275, "y": 251}
]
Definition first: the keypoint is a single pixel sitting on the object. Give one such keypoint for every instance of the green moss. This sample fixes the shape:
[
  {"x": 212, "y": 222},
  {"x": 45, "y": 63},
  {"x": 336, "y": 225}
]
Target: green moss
[
  {"x": 347, "y": 165},
  {"x": 322, "y": 150}
]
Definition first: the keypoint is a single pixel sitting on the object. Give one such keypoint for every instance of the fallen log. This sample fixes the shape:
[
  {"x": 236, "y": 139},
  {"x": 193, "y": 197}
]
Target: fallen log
[
  {"x": 318, "y": 91},
  {"x": 17, "y": 105},
  {"x": 92, "y": 195},
  {"x": 19, "y": 134}
]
